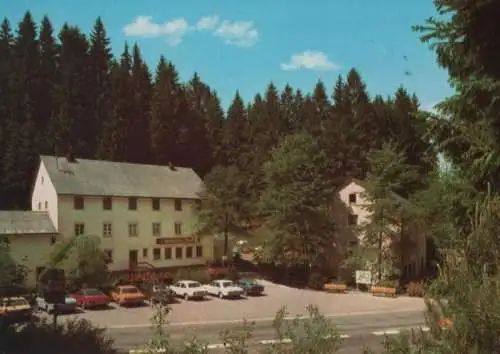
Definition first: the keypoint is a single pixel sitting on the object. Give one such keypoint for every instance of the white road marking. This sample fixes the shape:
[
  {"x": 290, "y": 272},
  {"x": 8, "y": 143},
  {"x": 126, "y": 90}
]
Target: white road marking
[
  {"x": 261, "y": 319},
  {"x": 147, "y": 351},
  {"x": 387, "y": 332},
  {"x": 344, "y": 336},
  {"x": 217, "y": 346},
  {"x": 275, "y": 341}
]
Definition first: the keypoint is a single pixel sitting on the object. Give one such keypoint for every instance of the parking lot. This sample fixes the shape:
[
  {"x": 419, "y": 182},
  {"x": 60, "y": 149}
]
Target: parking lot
[{"x": 252, "y": 308}]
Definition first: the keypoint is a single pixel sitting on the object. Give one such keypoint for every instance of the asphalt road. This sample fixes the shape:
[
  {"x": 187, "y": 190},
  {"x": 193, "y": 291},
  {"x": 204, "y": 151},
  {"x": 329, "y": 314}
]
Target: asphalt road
[{"x": 357, "y": 332}]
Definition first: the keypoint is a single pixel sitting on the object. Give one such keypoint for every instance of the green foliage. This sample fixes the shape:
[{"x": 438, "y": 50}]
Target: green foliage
[
  {"x": 390, "y": 213},
  {"x": 11, "y": 273},
  {"x": 83, "y": 261},
  {"x": 316, "y": 281},
  {"x": 296, "y": 200},
  {"x": 74, "y": 336}
]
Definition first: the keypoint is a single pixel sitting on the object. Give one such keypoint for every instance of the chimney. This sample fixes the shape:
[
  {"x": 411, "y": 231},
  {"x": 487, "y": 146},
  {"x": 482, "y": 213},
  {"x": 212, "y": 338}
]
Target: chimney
[{"x": 69, "y": 155}]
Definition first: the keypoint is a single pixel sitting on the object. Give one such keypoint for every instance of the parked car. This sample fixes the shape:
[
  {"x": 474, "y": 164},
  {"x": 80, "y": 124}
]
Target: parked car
[
  {"x": 224, "y": 289},
  {"x": 127, "y": 295},
  {"x": 90, "y": 298},
  {"x": 250, "y": 286},
  {"x": 70, "y": 305},
  {"x": 15, "y": 310},
  {"x": 218, "y": 268},
  {"x": 158, "y": 293},
  {"x": 189, "y": 289}
]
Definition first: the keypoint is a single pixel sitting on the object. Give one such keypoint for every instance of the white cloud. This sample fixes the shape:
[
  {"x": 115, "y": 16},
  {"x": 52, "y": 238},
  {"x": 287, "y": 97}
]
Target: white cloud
[
  {"x": 143, "y": 26},
  {"x": 238, "y": 33},
  {"x": 310, "y": 60},
  {"x": 207, "y": 23}
]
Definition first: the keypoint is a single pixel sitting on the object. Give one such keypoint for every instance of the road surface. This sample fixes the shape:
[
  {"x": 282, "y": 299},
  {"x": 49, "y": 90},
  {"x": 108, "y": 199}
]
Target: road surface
[{"x": 356, "y": 331}]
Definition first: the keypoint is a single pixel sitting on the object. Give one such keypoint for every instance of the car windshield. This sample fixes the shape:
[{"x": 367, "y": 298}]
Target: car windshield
[
  {"x": 92, "y": 292},
  {"x": 194, "y": 285},
  {"x": 227, "y": 284},
  {"x": 15, "y": 302},
  {"x": 129, "y": 290}
]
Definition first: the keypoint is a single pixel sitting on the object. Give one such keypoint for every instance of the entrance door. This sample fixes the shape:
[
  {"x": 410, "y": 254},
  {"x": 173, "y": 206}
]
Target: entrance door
[{"x": 132, "y": 258}]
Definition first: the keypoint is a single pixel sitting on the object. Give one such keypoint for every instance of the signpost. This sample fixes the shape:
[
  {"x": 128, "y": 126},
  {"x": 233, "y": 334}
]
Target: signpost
[{"x": 363, "y": 277}]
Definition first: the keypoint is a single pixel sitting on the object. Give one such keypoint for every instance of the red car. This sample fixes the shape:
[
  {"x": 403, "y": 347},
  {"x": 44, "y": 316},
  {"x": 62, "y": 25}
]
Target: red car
[{"x": 89, "y": 298}]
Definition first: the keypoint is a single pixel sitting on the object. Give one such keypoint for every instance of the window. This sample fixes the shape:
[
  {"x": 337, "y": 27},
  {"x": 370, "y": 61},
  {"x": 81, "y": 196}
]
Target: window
[
  {"x": 178, "y": 228},
  {"x": 178, "y": 252},
  {"x": 155, "y": 203},
  {"x": 107, "y": 203},
  {"x": 39, "y": 205},
  {"x": 42, "y": 180},
  {"x": 199, "y": 251},
  {"x": 132, "y": 203},
  {"x": 144, "y": 253},
  {"x": 156, "y": 253},
  {"x": 178, "y": 204},
  {"x": 53, "y": 240},
  {"x": 46, "y": 205},
  {"x": 198, "y": 204},
  {"x": 352, "y": 198},
  {"x": 107, "y": 229},
  {"x": 109, "y": 255},
  {"x": 78, "y": 203},
  {"x": 133, "y": 229},
  {"x": 168, "y": 253},
  {"x": 352, "y": 219},
  {"x": 156, "y": 229},
  {"x": 189, "y": 252},
  {"x": 79, "y": 229}
]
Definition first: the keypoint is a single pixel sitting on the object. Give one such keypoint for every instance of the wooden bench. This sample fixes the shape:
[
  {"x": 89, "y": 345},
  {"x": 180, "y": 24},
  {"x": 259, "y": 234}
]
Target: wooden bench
[
  {"x": 383, "y": 291},
  {"x": 335, "y": 288}
]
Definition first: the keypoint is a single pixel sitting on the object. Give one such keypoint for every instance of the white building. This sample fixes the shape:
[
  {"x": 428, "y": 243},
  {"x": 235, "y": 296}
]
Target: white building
[{"x": 143, "y": 213}]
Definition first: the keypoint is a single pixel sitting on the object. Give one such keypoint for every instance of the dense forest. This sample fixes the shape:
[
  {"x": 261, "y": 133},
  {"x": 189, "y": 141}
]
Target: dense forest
[{"x": 66, "y": 90}]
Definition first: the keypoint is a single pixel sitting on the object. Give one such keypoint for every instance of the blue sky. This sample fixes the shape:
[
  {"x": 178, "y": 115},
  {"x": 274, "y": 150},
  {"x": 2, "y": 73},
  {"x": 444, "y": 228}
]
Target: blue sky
[{"x": 246, "y": 44}]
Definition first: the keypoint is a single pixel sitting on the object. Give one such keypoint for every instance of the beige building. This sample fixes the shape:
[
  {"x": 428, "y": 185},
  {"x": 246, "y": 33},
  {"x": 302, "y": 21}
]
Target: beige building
[
  {"x": 351, "y": 213},
  {"x": 144, "y": 214},
  {"x": 30, "y": 237}
]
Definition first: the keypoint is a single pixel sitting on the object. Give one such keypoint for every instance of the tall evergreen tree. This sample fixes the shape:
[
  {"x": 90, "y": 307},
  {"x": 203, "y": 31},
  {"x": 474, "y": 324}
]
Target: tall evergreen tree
[
  {"x": 99, "y": 79},
  {"x": 164, "y": 108},
  {"x": 234, "y": 131},
  {"x": 138, "y": 132},
  {"x": 48, "y": 78},
  {"x": 19, "y": 160},
  {"x": 114, "y": 145},
  {"x": 71, "y": 93},
  {"x": 6, "y": 56}
]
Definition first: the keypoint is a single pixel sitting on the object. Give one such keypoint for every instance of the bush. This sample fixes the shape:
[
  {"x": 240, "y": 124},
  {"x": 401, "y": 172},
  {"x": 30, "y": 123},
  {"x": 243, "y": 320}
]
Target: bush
[
  {"x": 316, "y": 281},
  {"x": 415, "y": 289},
  {"x": 75, "y": 336},
  {"x": 199, "y": 274}
]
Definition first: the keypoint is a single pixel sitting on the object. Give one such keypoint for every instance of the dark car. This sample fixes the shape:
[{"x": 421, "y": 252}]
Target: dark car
[
  {"x": 158, "y": 293},
  {"x": 250, "y": 286}
]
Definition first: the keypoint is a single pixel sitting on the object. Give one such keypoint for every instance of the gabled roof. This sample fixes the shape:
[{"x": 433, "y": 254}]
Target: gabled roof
[
  {"x": 107, "y": 178},
  {"x": 14, "y": 222}
]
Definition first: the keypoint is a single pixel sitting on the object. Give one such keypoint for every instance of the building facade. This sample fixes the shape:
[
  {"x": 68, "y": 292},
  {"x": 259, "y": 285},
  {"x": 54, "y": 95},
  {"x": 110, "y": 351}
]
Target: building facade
[
  {"x": 142, "y": 213},
  {"x": 30, "y": 236},
  {"x": 351, "y": 213}
]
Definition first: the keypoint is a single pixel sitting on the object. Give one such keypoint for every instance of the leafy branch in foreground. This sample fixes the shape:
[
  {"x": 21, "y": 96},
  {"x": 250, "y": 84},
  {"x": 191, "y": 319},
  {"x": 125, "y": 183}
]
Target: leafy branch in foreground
[{"x": 313, "y": 334}]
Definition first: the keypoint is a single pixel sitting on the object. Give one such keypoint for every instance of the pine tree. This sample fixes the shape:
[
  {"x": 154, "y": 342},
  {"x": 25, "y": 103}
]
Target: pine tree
[
  {"x": 48, "y": 79},
  {"x": 138, "y": 134},
  {"x": 19, "y": 161},
  {"x": 114, "y": 143},
  {"x": 6, "y": 56},
  {"x": 289, "y": 109},
  {"x": 164, "y": 108},
  {"x": 71, "y": 93},
  {"x": 234, "y": 131},
  {"x": 99, "y": 60},
  {"x": 322, "y": 109}
]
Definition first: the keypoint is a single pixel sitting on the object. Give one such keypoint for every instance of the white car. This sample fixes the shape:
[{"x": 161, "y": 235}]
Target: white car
[
  {"x": 224, "y": 289},
  {"x": 189, "y": 289},
  {"x": 70, "y": 305}
]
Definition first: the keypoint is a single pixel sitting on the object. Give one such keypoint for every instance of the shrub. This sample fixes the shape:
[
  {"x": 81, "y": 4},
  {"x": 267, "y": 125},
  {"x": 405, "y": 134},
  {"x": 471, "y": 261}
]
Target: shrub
[
  {"x": 199, "y": 274},
  {"x": 316, "y": 281},
  {"x": 75, "y": 336},
  {"x": 415, "y": 289}
]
